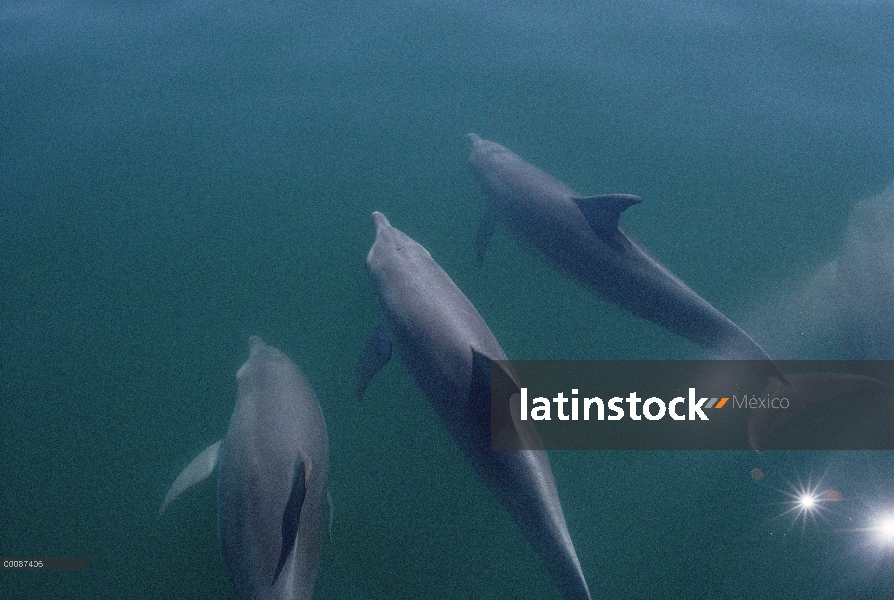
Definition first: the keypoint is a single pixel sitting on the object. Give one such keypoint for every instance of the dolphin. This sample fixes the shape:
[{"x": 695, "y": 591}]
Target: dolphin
[
  {"x": 862, "y": 289},
  {"x": 271, "y": 490},
  {"x": 845, "y": 310},
  {"x": 447, "y": 348},
  {"x": 581, "y": 236}
]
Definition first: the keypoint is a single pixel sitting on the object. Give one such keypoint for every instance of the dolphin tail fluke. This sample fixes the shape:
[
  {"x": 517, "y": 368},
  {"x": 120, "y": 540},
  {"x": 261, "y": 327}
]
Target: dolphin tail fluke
[
  {"x": 198, "y": 470},
  {"x": 375, "y": 354},
  {"x": 833, "y": 411}
]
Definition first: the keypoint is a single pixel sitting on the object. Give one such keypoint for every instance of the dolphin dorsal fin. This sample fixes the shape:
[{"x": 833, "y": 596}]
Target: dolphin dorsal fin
[
  {"x": 602, "y": 212},
  {"x": 291, "y": 515},
  {"x": 198, "y": 470},
  {"x": 492, "y": 378}
]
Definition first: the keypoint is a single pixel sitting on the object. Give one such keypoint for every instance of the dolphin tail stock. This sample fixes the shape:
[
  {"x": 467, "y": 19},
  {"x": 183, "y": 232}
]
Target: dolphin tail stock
[
  {"x": 375, "y": 354},
  {"x": 518, "y": 452},
  {"x": 824, "y": 411},
  {"x": 196, "y": 471}
]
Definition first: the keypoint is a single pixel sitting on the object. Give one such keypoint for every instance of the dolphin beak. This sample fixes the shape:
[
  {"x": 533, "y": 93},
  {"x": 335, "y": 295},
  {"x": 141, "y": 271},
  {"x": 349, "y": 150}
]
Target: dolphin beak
[
  {"x": 473, "y": 139},
  {"x": 380, "y": 221}
]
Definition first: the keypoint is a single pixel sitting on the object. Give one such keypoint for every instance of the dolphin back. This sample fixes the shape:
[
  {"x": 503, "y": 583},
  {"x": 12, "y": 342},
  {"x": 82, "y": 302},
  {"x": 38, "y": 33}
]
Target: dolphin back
[
  {"x": 272, "y": 484},
  {"x": 580, "y": 235},
  {"x": 448, "y": 349}
]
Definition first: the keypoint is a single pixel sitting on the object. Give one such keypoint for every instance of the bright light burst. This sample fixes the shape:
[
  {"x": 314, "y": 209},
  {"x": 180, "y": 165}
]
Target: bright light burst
[
  {"x": 887, "y": 528},
  {"x": 807, "y": 502},
  {"x": 884, "y": 530},
  {"x": 878, "y": 533}
]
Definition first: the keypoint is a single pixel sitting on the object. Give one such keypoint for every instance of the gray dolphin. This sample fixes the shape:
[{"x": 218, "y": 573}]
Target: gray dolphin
[
  {"x": 580, "y": 235},
  {"x": 447, "y": 348},
  {"x": 861, "y": 290},
  {"x": 271, "y": 490},
  {"x": 846, "y": 309}
]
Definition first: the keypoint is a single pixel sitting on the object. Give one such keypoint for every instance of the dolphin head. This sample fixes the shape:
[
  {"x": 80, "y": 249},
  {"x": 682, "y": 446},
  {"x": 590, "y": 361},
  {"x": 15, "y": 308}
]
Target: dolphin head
[
  {"x": 488, "y": 160},
  {"x": 380, "y": 221},
  {"x": 479, "y": 144},
  {"x": 391, "y": 249}
]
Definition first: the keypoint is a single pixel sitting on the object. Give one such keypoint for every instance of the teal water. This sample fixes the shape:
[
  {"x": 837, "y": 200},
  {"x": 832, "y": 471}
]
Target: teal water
[{"x": 177, "y": 177}]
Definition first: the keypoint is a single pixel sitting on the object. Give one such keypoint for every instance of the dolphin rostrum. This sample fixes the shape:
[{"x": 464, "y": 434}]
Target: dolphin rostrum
[
  {"x": 271, "y": 490},
  {"x": 447, "y": 348},
  {"x": 580, "y": 235}
]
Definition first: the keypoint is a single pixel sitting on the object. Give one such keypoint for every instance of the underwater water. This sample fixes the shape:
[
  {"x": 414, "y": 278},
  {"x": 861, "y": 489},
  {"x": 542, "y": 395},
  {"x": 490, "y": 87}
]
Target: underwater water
[{"x": 175, "y": 177}]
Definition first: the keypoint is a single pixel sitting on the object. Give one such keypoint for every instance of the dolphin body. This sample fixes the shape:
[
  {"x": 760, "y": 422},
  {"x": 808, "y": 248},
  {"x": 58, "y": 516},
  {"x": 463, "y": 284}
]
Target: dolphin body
[
  {"x": 580, "y": 235},
  {"x": 271, "y": 490},
  {"x": 448, "y": 348},
  {"x": 846, "y": 309},
  {"x": 859, "y": 284}
]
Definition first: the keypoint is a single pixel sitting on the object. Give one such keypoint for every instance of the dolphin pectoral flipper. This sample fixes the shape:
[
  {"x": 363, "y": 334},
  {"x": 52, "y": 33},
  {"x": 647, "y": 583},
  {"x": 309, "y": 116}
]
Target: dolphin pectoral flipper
[
  {"x": 602, "y": 212},
  {"x": 373, "y": 357},
  {"x": 291, "y": 515},
  {"x": 198, "y": 470},
  {"x": 484, "y": 233}
]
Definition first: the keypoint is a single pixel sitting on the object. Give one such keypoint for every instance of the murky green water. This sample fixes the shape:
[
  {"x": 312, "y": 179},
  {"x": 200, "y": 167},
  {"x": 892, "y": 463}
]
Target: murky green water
[{"x": 177, "y": 177}]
